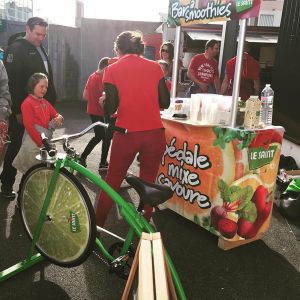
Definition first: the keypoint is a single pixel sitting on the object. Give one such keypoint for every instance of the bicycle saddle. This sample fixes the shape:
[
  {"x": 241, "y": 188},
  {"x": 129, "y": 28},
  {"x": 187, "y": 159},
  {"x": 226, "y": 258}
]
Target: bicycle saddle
[{"x": 150, "y": 193}]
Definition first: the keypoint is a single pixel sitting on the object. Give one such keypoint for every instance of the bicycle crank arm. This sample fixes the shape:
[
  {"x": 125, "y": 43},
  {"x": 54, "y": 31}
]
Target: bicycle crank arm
[{"x": 101, "y": 229}]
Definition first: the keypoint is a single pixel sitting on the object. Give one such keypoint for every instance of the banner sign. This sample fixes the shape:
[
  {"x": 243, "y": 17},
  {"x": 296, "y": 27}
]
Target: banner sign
[
  {"x": 223, "y": 178},
  {"x": 191, "y": 12}
]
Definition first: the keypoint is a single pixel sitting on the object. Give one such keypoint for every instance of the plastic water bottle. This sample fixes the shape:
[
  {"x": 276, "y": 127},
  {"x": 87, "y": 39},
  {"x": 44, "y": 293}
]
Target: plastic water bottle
[{"x": 266, "y": 112}]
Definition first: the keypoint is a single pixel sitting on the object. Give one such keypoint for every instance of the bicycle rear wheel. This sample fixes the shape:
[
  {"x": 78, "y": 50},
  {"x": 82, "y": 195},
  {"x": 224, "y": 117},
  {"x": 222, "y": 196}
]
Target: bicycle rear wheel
[{"x": 69, "y": 230}]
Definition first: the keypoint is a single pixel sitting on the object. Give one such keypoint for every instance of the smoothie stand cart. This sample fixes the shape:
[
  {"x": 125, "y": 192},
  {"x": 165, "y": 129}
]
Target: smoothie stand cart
[{"x": 223, "y": 177}]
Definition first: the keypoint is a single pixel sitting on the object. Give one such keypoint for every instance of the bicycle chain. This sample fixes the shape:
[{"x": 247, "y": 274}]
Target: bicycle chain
[{"x": 101, "y": 258}]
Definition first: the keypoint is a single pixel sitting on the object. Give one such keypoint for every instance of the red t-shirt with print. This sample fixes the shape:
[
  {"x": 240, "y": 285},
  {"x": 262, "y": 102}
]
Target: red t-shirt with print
[
  {"x": 136, "y": 80},
  {"x": 94, "y": 87},
  {"x": 205, "y": 70}
]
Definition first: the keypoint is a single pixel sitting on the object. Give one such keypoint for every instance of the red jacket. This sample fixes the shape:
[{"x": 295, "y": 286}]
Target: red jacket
[{"x": 37, "y": 112}]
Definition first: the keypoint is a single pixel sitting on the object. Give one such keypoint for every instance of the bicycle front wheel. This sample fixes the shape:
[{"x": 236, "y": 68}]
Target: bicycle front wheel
[{"x": 69, "y": 230}]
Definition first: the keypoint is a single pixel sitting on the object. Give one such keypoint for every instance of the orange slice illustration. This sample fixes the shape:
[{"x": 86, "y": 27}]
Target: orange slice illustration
[{"x": 268, "y": 172}]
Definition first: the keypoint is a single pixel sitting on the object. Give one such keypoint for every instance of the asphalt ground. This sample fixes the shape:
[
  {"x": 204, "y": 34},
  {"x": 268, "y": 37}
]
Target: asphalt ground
[{"x": 265, "y": 269}]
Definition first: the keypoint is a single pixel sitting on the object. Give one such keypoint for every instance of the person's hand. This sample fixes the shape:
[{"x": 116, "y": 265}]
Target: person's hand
[
  {"x": 19, "y": 119},
  {"x": 101, "y": 99},
  {"x": 58, "y": 120}
]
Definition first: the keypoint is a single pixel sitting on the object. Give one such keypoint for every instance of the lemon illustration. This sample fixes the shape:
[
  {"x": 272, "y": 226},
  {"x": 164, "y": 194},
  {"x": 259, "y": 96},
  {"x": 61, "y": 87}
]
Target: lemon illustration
[{"x": 66, "y": 232}]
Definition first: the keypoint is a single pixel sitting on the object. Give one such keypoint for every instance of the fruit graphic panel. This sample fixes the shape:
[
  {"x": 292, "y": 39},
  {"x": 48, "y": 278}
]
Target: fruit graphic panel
[{"x": 222, "y": 178}]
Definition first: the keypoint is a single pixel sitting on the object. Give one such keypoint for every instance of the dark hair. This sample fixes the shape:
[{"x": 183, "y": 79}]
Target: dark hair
[
  {"x": 36, "y": 21},
  {"x": 103, "y": 63},
  {"x": 163, "y": 63},
  {"x": 211, "y": 44},
  {"x": 34, "y": 80},
  {"x": 170, "y": 49},
  {"x": 130, "y": 42}
]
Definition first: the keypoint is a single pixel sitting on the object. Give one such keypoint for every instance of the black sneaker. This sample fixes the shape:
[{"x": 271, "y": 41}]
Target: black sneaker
[
  {"x": 103, "y": 166},
  {"x": 10, "y": 195}
]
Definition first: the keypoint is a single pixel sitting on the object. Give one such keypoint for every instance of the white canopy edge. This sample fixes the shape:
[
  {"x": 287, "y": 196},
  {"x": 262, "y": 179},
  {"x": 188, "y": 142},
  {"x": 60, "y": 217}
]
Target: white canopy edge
[{"x": 197, "y": 35}]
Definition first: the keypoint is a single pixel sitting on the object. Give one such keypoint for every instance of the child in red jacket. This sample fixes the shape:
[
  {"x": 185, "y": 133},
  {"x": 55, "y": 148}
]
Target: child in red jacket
[{"x": 38, "y": 116}]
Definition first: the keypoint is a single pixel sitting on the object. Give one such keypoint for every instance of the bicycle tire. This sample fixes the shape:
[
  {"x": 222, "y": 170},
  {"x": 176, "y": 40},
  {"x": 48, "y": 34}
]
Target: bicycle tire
[{"x": 69, "y": 231}]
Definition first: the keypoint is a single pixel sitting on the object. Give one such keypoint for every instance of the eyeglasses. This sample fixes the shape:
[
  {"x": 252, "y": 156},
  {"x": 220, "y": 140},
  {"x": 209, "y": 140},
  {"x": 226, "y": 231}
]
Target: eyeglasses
[{"x": 165, "y": 50}]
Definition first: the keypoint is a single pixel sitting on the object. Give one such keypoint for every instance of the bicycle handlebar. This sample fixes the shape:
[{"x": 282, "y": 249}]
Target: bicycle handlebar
[
  {"x": 79, "y": 134},
  {"x": 47, "y": 145}
]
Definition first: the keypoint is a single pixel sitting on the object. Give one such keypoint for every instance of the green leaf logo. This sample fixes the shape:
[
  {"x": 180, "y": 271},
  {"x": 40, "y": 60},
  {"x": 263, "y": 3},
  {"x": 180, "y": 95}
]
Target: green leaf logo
[
  {"x": 242, "y": 5},
  {"x": 259, "y": 157},
  {"x": 74, "y": 222}
]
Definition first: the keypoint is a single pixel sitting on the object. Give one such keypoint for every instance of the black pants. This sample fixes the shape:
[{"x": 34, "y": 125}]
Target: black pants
[
  {"x": 8, "y": 175},
  {"x": 100, "y": 135}
]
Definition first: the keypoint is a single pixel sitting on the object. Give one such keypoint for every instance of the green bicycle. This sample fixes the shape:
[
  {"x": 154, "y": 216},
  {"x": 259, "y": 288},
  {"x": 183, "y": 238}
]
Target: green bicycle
[{"x": 59, "y": 217}]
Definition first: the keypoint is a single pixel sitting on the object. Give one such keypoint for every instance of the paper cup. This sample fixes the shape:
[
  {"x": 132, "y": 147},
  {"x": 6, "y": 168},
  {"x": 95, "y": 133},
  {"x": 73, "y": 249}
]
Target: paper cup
[{"x": 195, "y": 105}]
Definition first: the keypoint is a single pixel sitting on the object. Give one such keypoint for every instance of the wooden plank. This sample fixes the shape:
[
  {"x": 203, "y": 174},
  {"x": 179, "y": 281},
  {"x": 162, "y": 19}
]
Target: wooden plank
[
  {"x": 150, "y": 254},
  {"x": 131, "y": 274},
  {"x": 161, "y": 284},
  {"x": 145, "y": 289}
]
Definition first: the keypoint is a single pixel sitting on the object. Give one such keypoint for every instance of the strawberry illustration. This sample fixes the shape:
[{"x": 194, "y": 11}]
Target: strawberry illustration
[
  {"x": 262, "y": 217},
  {"x": 244, "y": 226},
  {"x": 227, "y": 228},
  {"x": 259, "y": 198},
  {"x": 265, "y": 138}
]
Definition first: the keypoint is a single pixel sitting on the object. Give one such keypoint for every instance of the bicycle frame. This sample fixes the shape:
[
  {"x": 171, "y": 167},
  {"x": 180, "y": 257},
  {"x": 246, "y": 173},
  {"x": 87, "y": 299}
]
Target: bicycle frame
[{"x": 137, "y": 222}]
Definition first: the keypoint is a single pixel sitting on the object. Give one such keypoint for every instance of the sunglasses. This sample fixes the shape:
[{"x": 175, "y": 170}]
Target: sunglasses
[
  {"x": 37, "y": 23},
  {"x": 165, "y": 50}
]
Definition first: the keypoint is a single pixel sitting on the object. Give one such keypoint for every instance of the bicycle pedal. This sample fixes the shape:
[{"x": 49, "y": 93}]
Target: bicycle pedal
[
  {"x": 119, "y": 261},
  {"x": 120, "y": 268}
]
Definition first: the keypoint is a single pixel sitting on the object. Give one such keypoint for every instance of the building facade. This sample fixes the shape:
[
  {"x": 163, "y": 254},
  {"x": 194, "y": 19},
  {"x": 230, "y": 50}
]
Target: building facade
[
  {"x": 269, "y": 15},
  {"x": 16, "y": 10}
]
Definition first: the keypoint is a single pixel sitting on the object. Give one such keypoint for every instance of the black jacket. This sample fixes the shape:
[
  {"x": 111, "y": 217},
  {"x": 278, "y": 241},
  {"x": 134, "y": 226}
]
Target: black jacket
[{"x": 21, "y": 60}]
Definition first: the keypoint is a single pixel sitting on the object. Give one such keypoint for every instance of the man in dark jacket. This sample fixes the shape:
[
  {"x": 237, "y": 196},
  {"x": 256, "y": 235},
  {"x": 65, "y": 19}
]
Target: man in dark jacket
[{"x": 23, "y": 57}]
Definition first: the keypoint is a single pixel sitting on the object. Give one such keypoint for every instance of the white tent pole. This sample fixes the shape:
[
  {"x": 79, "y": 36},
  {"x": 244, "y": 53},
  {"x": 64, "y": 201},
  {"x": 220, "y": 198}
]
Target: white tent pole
[
  {"x": 224, "y": 26},
  {"x": 175, "y": 61},
  {"x": 238, "y": 71}
]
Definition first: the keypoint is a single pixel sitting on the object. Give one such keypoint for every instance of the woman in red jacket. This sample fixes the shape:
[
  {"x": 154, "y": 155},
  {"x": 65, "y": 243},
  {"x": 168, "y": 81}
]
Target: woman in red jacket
[{"x": 136, "y": 88}]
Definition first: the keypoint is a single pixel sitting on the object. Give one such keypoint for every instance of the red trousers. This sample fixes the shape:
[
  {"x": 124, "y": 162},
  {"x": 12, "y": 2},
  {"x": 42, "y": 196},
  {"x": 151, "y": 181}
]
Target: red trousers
[{"x": 150, "y": 145}]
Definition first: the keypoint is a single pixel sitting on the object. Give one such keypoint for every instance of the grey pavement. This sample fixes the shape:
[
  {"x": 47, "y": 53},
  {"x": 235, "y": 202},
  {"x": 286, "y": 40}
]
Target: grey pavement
[{"x": 265, "y": 269}]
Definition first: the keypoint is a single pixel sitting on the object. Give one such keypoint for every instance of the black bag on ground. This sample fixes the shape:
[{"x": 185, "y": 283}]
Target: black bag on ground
[
  {"x": 289, "y": 205},
  {"x": 288, "y": 163}
]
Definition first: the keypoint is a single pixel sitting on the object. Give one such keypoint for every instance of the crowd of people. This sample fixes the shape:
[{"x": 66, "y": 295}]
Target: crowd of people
[
  {"x": 204, "y": 74},
  {"x": 28, "y": 97}
]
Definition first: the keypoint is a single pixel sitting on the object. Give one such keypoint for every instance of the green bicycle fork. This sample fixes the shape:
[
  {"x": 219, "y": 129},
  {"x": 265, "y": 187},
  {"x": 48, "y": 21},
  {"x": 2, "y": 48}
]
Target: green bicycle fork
[{"x": 33, "y": 259}]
